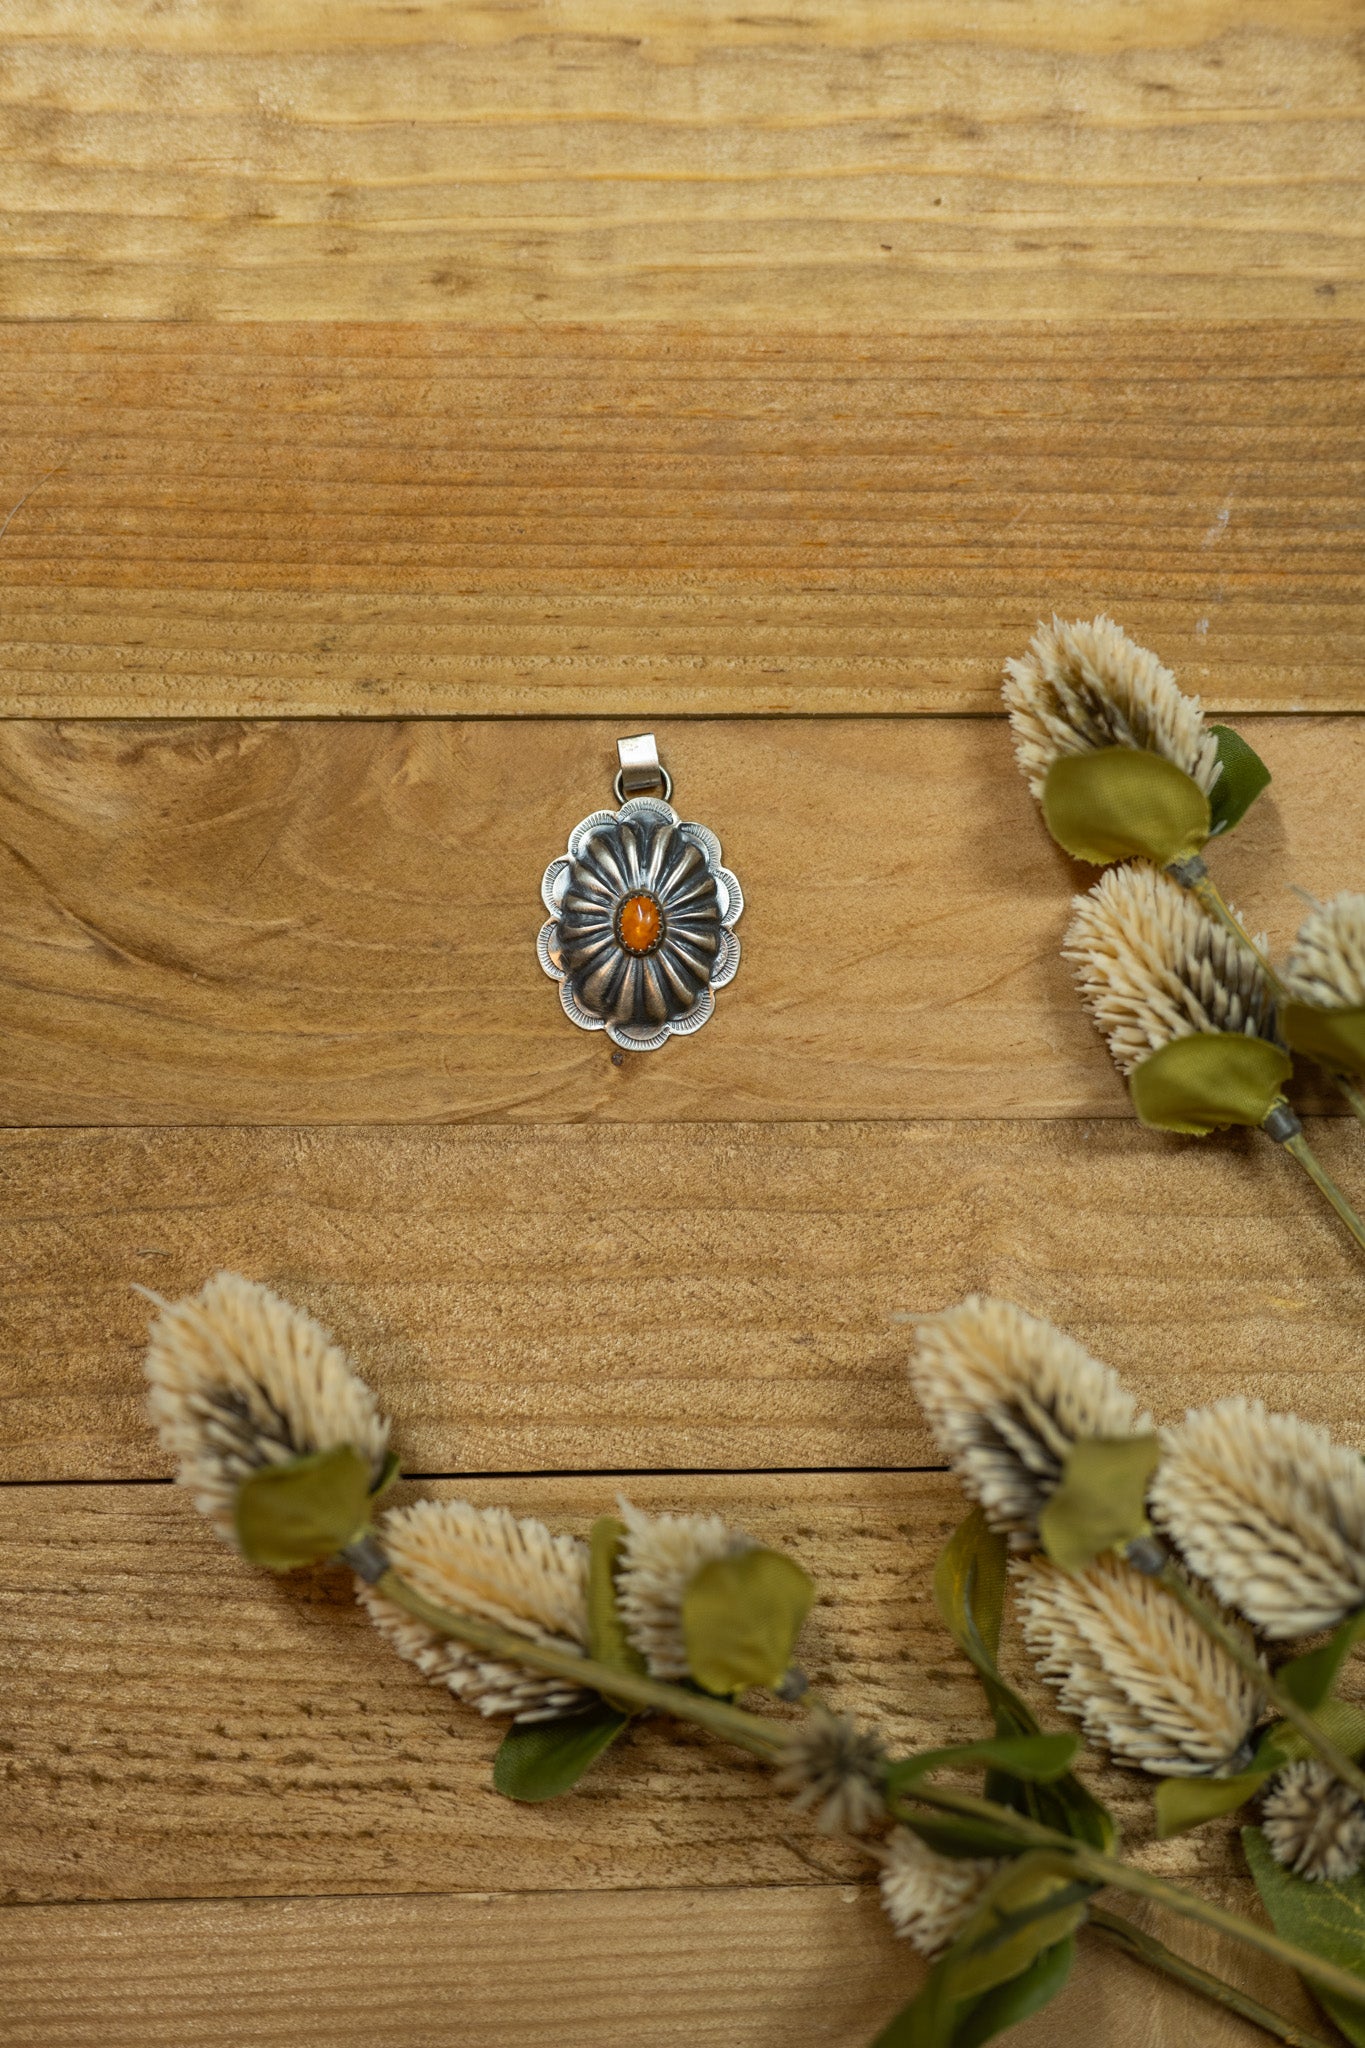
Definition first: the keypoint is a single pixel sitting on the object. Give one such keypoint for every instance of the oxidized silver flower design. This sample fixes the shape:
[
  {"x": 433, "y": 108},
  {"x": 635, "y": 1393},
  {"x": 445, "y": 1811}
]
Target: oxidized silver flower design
[{"x": 641, "y": 924}]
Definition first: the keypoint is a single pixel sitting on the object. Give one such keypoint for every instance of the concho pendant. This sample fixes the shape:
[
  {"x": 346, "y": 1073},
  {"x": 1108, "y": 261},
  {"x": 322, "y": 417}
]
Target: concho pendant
[{"x": 642, "y": 914}]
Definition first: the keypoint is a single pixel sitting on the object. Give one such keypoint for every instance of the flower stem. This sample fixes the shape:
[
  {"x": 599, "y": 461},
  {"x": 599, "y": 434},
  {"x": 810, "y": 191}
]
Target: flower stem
[
  {"x": 765, "y": 1738},
  {"x": 1299, "y": 1148},
  {"x": 1157, "y": 1956},
  {"x": 1102, "y": 1869},
  {"x": 1246, "y": 1659},
  {"x": 1194, "y": 876}
]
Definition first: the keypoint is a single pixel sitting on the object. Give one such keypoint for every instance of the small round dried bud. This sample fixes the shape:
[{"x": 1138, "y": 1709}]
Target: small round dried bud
[
  {"x": 1086, "y": 686},
  {"x": 241, "y": 1379},
  {"x": 1313, "y": 1824},
  {"x": 660, "y": 1556},
  {"x": 929, "y": 1898},
  {"x": 836, "y": 1769},
  {"x": 1270, "y": 1511},
  {"x": 1006, "y": 1396}
]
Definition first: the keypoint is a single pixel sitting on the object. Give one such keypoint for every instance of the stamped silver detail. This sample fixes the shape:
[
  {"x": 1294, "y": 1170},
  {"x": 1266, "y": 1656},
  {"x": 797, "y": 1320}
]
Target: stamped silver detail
[{"x": 639, "y": 934}]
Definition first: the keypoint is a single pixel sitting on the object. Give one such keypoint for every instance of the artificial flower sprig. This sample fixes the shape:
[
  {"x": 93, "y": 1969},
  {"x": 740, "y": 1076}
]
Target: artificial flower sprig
[
  {"x": 1152, "y": 1574},
  {"x": 286, "y": 1452},
  {"x": 1124, "y": 767}
]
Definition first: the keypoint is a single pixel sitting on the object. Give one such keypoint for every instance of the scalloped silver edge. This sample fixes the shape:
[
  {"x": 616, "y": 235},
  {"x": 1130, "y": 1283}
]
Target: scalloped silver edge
[
  {"x": 728, "y": 966},
  {"x": 629, "y": 1043},
  {"x": 543, "y": 952},
  {"x": 730, "y": 883},
  {"x": 577, "y": 1016},
  {"x": 646, "y": 807},
  {"x": 549, "y": 878},
  {"x": 586, "y": 825},
  {"x": 698, "y": 1015},
  {"x": 705, "y": 838}
]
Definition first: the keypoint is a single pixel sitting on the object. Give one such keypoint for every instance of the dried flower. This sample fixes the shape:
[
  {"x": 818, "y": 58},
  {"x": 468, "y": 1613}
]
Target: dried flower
[
  {"x": 1153, "y": 966},
  {"x": 486, "y": 1563},
  {"x": 659, "y": 1557},
  {"x": 1270, "y": 1511},
  {"x": 239, "y": 1380},
  {"x": 1313, "y": 1824},
  {"x": 1085, "y": 686},
  {"x": 1327, "y": 966},
  {"x": 929, "y": 1898},
  {"x": 1144, "y": 1679},
  {"x": 835, "y": 1767},
  {"x": 1007, "y": 1396}
]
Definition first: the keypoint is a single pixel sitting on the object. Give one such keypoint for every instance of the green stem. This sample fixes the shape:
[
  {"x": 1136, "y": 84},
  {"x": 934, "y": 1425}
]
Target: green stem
[
  {"x": 1194, "y": 876},
  {"x": 750, "y": 1731},
  {"x": 1086, "y": 1861},
  {"x": 1244, "y": 1656},
  {"x": 1147, "y": 1949},
  {"x": 1299, "y": 1148}
]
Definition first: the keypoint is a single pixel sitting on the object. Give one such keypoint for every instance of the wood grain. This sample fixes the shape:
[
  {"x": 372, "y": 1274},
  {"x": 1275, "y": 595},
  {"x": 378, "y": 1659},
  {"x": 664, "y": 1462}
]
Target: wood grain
[
  {"x": 678, "y": 1969},
  {"x": 413, "y": 519},
  {"x": 528, "y": 1299},
  {"x": 335, "y": 922},
  {"x": 852, "y": 167},
  {"x": 182, "y": 1726}
]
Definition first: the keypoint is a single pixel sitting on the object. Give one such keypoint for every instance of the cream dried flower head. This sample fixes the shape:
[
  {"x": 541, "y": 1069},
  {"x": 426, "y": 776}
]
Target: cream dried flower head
[
  {"x": 1152, "y": 966},
  {"x": 1270, "y": 1511},
  {"x": 1327, "y": 965},
  {"x": 929, "y": 1898},
  {"x": 485, "y": 1563},
  {"x": 1085, "y": 686},
  {"x": 836, "y": 1769},
  {"x": 1144, "y": 1679},
  {"x": 1313, "y": 1824},
  {"x": 660, "y": 1556},
  {"x": 240, "y": 1379},
  {"x": 1006, "y": 1396}
]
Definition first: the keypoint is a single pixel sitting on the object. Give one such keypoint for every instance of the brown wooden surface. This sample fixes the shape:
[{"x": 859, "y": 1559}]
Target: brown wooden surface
[
  {"x": 335, "y": 922},
  {"x": 697, "y": 1968},
  {"x": 378, "y": 519},
  {"x": 844, "y": 165},
  {"x": 647, "y": 360},
  {"x": 553, "y": 1299}
]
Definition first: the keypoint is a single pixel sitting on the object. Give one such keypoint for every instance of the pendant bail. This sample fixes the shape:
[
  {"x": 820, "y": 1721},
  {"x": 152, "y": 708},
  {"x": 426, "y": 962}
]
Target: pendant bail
[{"x": 640, "y": 772}]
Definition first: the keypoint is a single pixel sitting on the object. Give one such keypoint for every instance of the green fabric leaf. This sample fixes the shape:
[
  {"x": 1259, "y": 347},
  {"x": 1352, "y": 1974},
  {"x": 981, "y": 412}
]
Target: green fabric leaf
[
  {"x": 1243, "y": 778},
  {"x": 741, "y": 1617},
  {"x": 1102, "y": 1499},
  {"x": 1209, "y": 1080},
  {"x": 1029, "y": 1909},
  {"x": 388, "y": 1472},
  {"x": 1038, "y": 1759},
  {"x": 1122, "y": 801},
  {"x": 305, "y": 1510},
  {"x": 1327, "y": 1919},
  {"x": 1334, "y": 1038},
  {"x": 607, "y": 1638},
  {"x": 540, "y": 1759},
  {"x": 969, "y": 1592},
  {"x": 1184, "y": 1803},
  {"x": 1009, "y": 2003},
  {"x": 1309, "y": 1679}
]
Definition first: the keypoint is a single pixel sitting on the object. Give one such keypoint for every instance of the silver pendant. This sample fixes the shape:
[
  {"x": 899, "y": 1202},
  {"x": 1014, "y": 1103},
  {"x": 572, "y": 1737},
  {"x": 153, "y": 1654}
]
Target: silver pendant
[{"x": 642, "y": 914}]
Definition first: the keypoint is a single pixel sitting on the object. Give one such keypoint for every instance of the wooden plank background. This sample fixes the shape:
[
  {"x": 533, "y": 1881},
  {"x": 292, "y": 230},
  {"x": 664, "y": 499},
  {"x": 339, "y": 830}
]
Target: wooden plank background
[{"x": 395, "y": 406}]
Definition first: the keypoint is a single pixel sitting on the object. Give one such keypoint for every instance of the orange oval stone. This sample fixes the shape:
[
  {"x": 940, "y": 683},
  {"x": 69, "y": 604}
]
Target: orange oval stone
[{"x": 639, "y": 924}]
